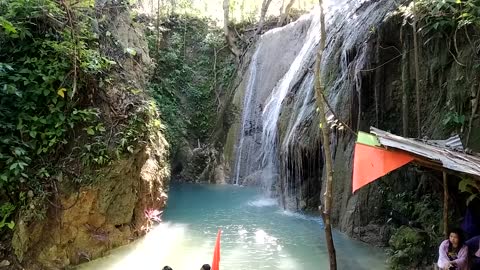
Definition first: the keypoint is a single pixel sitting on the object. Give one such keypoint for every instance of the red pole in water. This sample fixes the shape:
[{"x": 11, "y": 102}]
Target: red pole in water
[{"x": 216, "y": 253}]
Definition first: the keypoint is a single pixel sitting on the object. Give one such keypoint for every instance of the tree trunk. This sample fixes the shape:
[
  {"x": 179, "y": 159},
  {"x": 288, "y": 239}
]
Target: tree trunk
[
  {"x": 417, "y": 68},
  {"x": 174, "y": 5},
  {"x": 378, "y": 80},
  {"x": 157, "y": 45},
  {"x": 326, "y": 145},
  {"x": 472, "y": 115},
  {"x": 281, "y": 8},
  {"x": 284, "y": 15},
  {"x": 263, "y": 13},
  {"x": 405, "y": 85},
  {"x": 242, "y": 11},
  {"x": 228, "y": 36}
]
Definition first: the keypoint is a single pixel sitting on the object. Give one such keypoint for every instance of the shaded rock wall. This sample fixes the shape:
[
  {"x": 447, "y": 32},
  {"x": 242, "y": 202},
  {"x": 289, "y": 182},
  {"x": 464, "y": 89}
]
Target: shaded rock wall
[{"x": 111, "y": 212}]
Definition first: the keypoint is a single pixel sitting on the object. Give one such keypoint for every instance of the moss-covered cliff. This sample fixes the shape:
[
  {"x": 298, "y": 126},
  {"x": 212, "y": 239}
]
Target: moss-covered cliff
[{"x": 84, "y": 163}]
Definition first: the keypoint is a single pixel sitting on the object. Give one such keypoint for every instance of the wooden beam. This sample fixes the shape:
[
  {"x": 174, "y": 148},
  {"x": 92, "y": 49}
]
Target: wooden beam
[{"x": 445, "y": 205}]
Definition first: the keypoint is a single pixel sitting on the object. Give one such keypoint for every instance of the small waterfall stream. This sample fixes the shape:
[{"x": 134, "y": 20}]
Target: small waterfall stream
[{"x": 246, "y": 124}]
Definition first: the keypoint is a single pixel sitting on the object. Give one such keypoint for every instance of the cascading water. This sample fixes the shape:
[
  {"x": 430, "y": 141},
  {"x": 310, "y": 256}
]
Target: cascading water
[
  {"x": 289, "y": 148},
  {"x": 301, "y": 109},
  {"x": 247, "y": 117},
  {"x": 273, "y": 106},
  {"x": 263, "y": 74}
]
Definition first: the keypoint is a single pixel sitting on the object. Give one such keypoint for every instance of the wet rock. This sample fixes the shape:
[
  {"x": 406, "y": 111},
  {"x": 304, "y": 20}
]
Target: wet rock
[
  {"x": 377, "y": 235},
  {"x": 253, "y": 179},
  {"x": 205, "y": 165},
  {"x": 219, "y": 174}
]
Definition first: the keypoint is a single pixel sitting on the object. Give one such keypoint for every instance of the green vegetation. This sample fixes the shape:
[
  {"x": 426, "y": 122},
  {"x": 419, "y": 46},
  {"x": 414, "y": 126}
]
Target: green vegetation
[
  {"x": 48, "y": 58},
  {"x": 51, "y": 126},
  {"x": 470, "y": 187},
  {"x": 193, "y": 67},
  {"x": 442, "y": 18},
  {"x": 6, "y": 210},
  {"x": 408, "y": 244},
  {"x": 450, "y": 29}
]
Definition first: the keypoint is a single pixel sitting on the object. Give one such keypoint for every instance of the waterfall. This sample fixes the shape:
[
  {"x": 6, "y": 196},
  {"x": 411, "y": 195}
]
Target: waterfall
[
  {"x": 246, "y": 124},
  {"x": 302, "y": 109},
  {"x": 273, "y": 105},
  {"x": 258, "y": 85},
  {"x": 284, "y": 150}
]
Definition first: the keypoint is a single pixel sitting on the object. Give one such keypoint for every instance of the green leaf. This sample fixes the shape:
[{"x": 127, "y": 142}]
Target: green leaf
[
  {"x": 33, "y": 133},
  {"x": 470, "y": 198},
  {"x": 90, "y": 131},
  {"x": 13, "y": 166},
  {"x": 61, "y": 92},
  {"x": 11, "y": 225},
  {"x": 19, "y": 151},
  {"x": 466, "y": 184},
  {"x": 7, "y": 26},
  {"x": 22, "y": 165}
]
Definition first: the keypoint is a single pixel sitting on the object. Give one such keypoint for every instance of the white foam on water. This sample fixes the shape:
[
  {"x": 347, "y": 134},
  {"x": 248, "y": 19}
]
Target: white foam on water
[
  {"x": 263, "y": 202},
  {"x": 301, "y": 216}
]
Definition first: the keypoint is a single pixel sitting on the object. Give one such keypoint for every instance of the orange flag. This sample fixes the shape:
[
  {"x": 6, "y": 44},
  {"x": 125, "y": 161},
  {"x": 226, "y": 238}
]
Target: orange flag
[
  {"x": 216, "y": 253},
  {"x": 371, "y": 163}
]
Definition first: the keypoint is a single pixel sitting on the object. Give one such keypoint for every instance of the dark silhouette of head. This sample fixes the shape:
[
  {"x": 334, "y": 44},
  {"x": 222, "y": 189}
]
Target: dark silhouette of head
[
  {"x": 205, "y": 267},
  {"x": 167, "y": 268}
]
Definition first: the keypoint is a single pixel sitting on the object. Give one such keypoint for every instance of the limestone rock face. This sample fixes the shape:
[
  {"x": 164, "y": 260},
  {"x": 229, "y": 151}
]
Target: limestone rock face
[
  {"x": 111, "y": 212},
  {"x": 204, "y": 164}
]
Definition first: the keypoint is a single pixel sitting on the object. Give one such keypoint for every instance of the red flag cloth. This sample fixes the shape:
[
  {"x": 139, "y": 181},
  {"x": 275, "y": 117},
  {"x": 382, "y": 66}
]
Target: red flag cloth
[
  {"x": 371, "y": 163},
  {"x": 216, "y": 253}
]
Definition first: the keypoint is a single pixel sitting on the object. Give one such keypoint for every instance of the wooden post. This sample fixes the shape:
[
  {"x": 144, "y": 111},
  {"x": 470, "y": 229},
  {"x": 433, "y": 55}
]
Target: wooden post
[
  {"x": 326, "y": 145},
  {"x": 445, "y": 204}
]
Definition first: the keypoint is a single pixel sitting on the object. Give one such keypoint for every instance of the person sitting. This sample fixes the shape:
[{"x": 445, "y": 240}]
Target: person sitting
[
  {"x": 471, "y": 221},
  {"x": 474, "y": 247},
  {"x": 205, "y": 267},
  {"x": 453, "y": 253},
  {"x": 166, "y": 267},
  {"x": 476, "y": 261}
]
